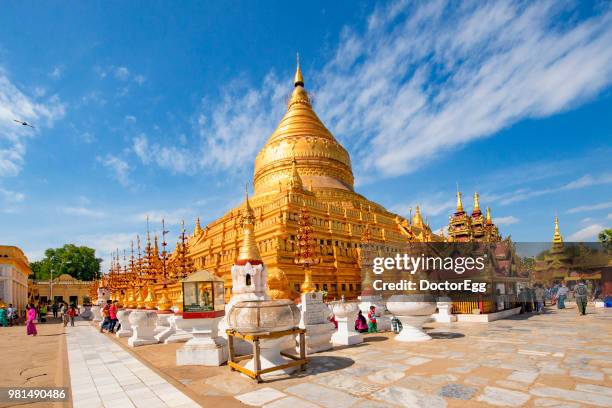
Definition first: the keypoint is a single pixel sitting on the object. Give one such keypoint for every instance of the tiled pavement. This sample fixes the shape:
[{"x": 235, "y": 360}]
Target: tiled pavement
[
  {"x": 554, "y": 360},
  {"x": 104, "y": 375}
]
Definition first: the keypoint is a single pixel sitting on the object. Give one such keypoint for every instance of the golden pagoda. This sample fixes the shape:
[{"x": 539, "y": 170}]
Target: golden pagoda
[
  {"x": 463, "y": 227},
  {"x": 303, "y": 165}
]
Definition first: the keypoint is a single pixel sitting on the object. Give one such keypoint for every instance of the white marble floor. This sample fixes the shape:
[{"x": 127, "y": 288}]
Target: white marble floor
[{"x": 103, "y": 375}]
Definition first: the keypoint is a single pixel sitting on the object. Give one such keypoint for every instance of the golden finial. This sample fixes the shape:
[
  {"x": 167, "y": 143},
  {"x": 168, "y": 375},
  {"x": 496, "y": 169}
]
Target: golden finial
[
  {"x": 155, "y": 246},
  {"x": 459, "y": 203},
  {"x": 249, "y": 252},
  {"x": 298, "y": 80},
  {"x": 557, "y": 238},
  {"x": 476, "y": 203},
  {"x": 417, "y": 219},
  {"x": 198, "y": 229},
  {"x": 489, "y": 221}
]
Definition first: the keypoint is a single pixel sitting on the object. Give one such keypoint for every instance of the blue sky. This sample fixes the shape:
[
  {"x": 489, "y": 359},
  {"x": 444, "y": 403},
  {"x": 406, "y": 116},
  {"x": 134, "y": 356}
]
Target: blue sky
[{"x": 155, "y": 108}]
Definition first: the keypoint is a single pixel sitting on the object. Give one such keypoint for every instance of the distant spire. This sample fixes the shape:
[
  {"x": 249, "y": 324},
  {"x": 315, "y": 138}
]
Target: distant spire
[
  {"x": 298, "y": 80},
  {"x": 459, "y": 203},
  {"x": 417, "y": 220},
  {"x": 489, "y": 221},
  {"x": 476, "y": 204},
  {"x": 198, "y": 229},
  {"x": 557, "y": 238}
]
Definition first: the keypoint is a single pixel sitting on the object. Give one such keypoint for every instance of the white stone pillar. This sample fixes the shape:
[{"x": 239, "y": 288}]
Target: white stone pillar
[
  {"x": 313, "y": 318},
  {"x": 143, "y": 325},
  {"x": 412, "y": 311},
  {"x": 163, "y": 329},
  {"x": 346, "y": 314},
  {"x": 123, "y": 316},
  {"x": 182, "y": 329},
  {"x": 444, "y": 315},
  {"x": 206, "y": 347}
]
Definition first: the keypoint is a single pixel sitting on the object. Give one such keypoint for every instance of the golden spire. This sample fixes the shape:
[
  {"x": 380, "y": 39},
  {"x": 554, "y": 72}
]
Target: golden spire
[
  {"x": 459, "y": 203},
  {"x": 557, "y": 238},
  {"x": 198, "y": 229},
  {"x": 417, "y": 219},
  {"x": 155, "y": 246},
  {"x": 298, "y": 80},
  {"x": 489, "y": 221},
  {"x": 476, "y": 204},
  {"x": 249, "y": 252}
]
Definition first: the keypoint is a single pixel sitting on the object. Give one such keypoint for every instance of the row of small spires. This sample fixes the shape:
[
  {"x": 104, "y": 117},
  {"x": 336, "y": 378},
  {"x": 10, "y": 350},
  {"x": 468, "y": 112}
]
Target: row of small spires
[{"x": 476, "y": 211}]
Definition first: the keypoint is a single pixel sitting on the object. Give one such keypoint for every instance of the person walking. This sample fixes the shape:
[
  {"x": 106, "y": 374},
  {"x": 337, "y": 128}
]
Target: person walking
[
  {"x": 112, "y": 313},
  {"x": 372, "y": 320},
  {"x": 581, "y": 294},
  {"x": 72, "y": 313},
  {"x": 12, "y": 315},
  {"x": 43, "y": 313},
  {"x": 3, "y": 317},
  {"x": 539, "y": 294},
  {"x": 106, "y": 314},
  {"x": 31, "y": 316},
  {"x": 561, "y": 296},
  {"x": 54, "y": 309}
]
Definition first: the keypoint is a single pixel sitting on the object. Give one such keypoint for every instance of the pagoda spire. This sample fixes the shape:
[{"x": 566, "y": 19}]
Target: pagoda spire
[
  {"x": 198, "y": 229},
  {"x": 298, "y": 79},
  {"x": 459, "y": 203},
  {"x": 557, "y": 238},
  {"x": 489, "y": 220},
  {"x": 417, "y": 220},
  {"x": 476, "y": 210},
  {"x": 249, "y": 252}
]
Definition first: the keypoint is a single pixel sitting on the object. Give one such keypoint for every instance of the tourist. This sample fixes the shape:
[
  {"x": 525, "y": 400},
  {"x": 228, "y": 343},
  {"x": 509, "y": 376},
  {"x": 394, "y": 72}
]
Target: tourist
[
  {"x": 72, "y": 313},
  {"x": 561, "y": 296},
  {"x": 372, "y": 320},
  {"x": 112, "y": 312},
  {"x": 64, "y": 313},
  {"x": 360, "y": 324},
  {"x": 396, "y": 325},
  {"x": 3, "y": 317},
  {"x": 54, "y": 310},
  {"x": 332, "y": 320},
  {"x": 581, "y": 293},
  {"x": 596, "y": 292},
  {"x": 12, "y": 315},
  {"x": 43, "y": 312},
  {"x": 539, "y": 294},
  {"x": 106, "y": 314},
  {"x": 31, "y": 316}
]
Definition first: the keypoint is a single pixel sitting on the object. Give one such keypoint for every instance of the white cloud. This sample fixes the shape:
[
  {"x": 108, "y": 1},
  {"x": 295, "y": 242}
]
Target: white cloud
[
  {"x": 88, "y": 137},
  {"x": 172, "y": 158},
  {"x": 588, "y": 233},
  {"x": 508, "y": 220},
  {"x": 121, "y": 73},
  {"x": 130, "y": 118},
  {"x": 118, "y": 167},
  {"x": 11, "y": 197},
  {"x": 593, "y": 207},
  {"x": 425, "y": 78},
  {"x": 56, "y": 72},
  {"x": 83, "y": 211},
  {"x": 609, "y": 217},
  {"x": 140, "y": 79},
  {"x": 16, "y": 104},
  {"x": 170, "y": 217}
]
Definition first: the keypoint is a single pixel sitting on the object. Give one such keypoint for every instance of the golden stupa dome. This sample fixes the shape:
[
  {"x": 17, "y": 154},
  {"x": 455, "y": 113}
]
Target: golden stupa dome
[{"x": 320, "y": 160}]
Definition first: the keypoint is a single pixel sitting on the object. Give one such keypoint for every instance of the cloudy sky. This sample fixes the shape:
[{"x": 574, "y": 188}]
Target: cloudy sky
[{"x": 143, "y": 108}]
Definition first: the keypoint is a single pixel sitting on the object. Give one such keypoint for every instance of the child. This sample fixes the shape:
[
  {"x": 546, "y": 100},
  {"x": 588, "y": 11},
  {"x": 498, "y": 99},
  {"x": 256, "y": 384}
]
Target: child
[{"x": 372, "y": 320}]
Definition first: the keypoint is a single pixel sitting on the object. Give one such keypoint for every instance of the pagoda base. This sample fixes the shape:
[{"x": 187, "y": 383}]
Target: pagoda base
[{"x": 203, "y": 349}]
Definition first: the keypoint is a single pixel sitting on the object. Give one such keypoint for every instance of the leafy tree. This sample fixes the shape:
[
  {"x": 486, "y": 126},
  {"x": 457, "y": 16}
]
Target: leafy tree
[
  {"x": 78, "y": 262},
  {"x": 605, "y": 237}
]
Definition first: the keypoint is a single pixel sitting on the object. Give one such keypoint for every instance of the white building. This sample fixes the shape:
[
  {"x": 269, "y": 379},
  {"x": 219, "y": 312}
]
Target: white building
[{"x": 14, "y": 272}]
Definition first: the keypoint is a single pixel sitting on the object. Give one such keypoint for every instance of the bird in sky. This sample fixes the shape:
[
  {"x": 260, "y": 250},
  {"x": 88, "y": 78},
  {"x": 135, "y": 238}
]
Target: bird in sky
[{"x": 21, "y": 122}]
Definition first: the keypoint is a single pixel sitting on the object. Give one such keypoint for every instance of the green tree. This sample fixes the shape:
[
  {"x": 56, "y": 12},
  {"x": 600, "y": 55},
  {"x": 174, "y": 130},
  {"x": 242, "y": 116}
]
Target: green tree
[
  {"x": 605, "y": 237},
  {"x": 78, "y": 262}
]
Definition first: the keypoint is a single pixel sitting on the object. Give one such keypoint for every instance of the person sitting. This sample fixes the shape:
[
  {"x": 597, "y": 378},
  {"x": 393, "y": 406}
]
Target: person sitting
[{"x": 361, "y": 325}]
